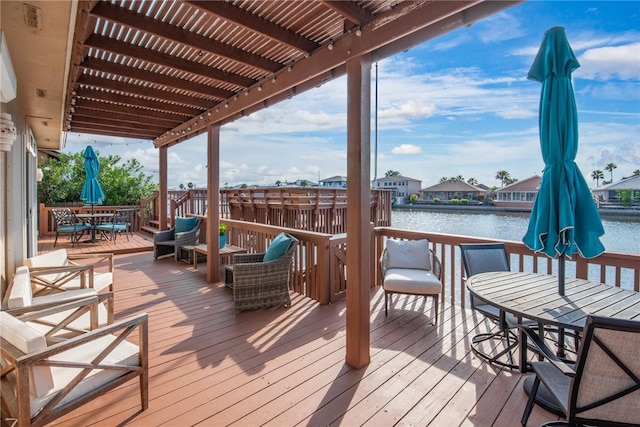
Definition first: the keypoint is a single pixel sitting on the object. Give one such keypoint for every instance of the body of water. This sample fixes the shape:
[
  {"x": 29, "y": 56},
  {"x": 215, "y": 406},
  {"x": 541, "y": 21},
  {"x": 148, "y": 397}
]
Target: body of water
[{"x": 620, "y": 235}]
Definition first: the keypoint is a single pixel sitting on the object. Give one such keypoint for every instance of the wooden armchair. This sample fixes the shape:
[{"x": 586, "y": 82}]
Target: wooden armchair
[
  {"x": 170, "y": 241},
  {"x": 43, "y": 381},
  {"x": 56, "y": 270},
  {"x": 262, "y": 279},
  {"x": 61, "y": 314}
]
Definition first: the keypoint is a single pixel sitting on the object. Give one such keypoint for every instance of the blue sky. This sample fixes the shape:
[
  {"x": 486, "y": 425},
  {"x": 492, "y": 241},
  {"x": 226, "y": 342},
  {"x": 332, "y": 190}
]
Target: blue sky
[{"x": 456, "y": 105}]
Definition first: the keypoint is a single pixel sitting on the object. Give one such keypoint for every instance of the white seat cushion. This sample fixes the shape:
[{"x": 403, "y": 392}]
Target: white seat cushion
[
  {"x": 411, "y": 281},
  {"x": 57, "y": 258},
  {"x": 27, "y": 340},
  {"x": 125, "y": 353}
]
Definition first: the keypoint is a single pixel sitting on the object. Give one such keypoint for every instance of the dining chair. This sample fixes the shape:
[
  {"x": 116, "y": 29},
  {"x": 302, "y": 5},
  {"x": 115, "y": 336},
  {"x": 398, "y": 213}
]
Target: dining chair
[
  {"x": 495, "y": 347},
  {"x": 119, "y": 222},
  {"x": 66, "y": 222},
  {"x": 603, "y": 387}
]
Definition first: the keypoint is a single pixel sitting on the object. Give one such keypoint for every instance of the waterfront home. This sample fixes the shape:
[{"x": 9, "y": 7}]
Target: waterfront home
[
  {"x": 610, "y": 195},
  {"x": 338, "y": 181},
  {"x": 519, "y": 195},
  {"x": 450, "y": 189},
  {"x": 401, "y": 187}
]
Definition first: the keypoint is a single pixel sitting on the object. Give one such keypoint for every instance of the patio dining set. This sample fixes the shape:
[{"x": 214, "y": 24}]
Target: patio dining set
[{"x": 99, "y": 226}]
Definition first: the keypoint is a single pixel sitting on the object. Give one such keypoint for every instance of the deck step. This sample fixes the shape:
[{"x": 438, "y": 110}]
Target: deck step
[{"x": 149, "y": 229}]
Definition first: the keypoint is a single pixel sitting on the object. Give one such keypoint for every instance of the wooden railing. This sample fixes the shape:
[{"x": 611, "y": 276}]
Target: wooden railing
[
  {"x": 150, "y": 211},
  {"x": 320, "y": 270},
  {"x": 317, "y": 209},
  {"x": 612, "y": 268}
]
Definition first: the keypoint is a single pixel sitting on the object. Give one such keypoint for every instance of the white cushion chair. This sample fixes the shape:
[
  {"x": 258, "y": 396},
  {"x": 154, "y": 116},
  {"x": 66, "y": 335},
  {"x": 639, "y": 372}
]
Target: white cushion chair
[
  {"x": 59, "y": 315},
  {"x": 41, "y": 382},
  {"x": 55, "y": 270},
  {"x": 411, "y": 267}
]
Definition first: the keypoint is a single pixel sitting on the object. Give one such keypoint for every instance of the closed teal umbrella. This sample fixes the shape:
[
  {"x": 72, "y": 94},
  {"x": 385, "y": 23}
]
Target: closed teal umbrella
[
  {"x": 564, "y": 218},
  {"x": 92, "y": 193}
]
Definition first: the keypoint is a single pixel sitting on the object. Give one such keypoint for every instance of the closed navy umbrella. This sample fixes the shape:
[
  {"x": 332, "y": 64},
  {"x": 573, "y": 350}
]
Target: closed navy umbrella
[
  {"x": 92, "y": 193},
  {"x": 564, "y": 218}
]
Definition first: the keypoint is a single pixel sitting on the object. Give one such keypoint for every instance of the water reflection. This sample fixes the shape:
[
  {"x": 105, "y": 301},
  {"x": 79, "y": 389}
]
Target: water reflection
[{"x": 507, "y": 226}]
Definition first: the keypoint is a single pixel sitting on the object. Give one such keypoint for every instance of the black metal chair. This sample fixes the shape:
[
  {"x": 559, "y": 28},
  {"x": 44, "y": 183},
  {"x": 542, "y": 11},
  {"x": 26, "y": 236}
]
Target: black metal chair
[
  {"x": 495, "y": 347},
  {"x": 603, "y": 389},
  {"x": 66, "y": 222},
  {"x": 120, "y": 222}
]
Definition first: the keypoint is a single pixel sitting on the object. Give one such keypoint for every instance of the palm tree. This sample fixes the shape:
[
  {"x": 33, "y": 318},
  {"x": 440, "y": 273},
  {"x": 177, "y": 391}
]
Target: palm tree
[
  {"x": 443, "y": 179},
  {"x": 597, "y": 175},
  {"x": 636, "y": 172},
  {"x": 472, "y": 181},
  {"x": 609, "y": 168},
  {"x": 503, "y": 176},
  {"x": 459, "y": 178}
]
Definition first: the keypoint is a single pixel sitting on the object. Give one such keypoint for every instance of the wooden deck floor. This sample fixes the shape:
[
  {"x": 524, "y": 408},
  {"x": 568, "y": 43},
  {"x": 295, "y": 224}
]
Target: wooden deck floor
[
  {"x": 139, "y": 242},
  {"x": 211, "y": 367}
]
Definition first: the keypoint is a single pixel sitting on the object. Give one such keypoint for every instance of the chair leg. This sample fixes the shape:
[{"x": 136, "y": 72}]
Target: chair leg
[
  {"x": 530, "y": 402},
  {"x": 436, "y": 303},
  {"x": 385, "y": 303}
]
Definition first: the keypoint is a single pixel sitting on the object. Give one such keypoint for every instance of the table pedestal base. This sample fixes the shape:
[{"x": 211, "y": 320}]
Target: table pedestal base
[{"x": 543, "y": 397}]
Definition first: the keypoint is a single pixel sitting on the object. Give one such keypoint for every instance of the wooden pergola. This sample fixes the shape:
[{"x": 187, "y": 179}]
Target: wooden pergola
[{"x": 169, "y": 70}]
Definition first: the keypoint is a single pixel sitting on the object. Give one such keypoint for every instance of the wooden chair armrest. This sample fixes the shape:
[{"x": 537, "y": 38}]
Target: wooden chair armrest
[
  {"x": 32, "y": 312},
  {"x": 99, "y": 257},
  {"x": 127, "y": 325},
  {"x": 532, "y": 335}
]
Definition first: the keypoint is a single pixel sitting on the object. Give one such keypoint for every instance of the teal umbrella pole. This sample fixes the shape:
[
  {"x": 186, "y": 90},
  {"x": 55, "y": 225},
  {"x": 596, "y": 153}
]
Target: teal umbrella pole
[{"x": 564, "y": 218}]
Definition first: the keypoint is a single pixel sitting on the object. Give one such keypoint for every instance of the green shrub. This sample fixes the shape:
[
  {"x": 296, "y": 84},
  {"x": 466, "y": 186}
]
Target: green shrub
[
  {"x": 436, "y": 200},
  {"x": 455, "y": 201},
  {"x": 464, "y": 201}
]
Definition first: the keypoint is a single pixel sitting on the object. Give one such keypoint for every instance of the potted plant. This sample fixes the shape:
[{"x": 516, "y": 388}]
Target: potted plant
[{"x": 223, "y": 228}]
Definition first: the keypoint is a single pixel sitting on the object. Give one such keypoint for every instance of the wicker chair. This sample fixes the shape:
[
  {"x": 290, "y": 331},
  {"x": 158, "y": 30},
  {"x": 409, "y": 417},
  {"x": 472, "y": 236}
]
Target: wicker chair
[
  {"x": 169, "y": 242},
  {"x": 258, "y": 284}
]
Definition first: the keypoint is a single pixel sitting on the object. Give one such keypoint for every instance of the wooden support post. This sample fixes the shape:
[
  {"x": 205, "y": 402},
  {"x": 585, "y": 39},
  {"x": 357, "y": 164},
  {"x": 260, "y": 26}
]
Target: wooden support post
[
  {"x": 213, "y": 203},
  {"x": 162, "y": 196},
  {"x": 358, "y": 211}
]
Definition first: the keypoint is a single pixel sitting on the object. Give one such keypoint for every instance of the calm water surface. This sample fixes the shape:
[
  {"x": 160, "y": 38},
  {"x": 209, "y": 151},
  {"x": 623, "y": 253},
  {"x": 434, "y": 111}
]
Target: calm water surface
[{"x": 620, "y": 235}]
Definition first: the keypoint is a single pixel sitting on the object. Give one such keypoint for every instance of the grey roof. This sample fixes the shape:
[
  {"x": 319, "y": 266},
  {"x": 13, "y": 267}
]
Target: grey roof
[{"x": 631, "y": 183}]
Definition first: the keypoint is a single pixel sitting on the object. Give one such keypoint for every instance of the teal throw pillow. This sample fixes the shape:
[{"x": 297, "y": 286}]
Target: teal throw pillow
[
  {"x": 278, "y": 247},
  {"x": 185, "y": 224}
]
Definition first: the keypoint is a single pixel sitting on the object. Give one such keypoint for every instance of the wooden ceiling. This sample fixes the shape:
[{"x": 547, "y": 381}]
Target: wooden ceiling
[{"x": 165, "y": 70}]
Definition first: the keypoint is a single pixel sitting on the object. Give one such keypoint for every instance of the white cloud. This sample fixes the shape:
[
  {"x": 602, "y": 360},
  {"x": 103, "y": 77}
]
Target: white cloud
[
  {"x": 610, "y": 62},
  {"x": 406, "y": 149}
]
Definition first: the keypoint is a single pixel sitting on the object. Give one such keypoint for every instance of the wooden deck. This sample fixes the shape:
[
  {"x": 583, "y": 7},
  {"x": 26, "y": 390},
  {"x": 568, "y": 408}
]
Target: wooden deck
[
  {"x": 139, "y": 242},
  {"x": 211, "y": 367}
]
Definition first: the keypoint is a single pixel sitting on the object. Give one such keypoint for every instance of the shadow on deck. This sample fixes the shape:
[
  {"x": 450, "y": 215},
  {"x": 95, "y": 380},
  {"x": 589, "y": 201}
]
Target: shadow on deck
[{"x": 209, "y": 366}]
